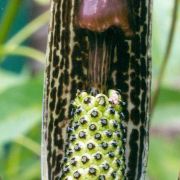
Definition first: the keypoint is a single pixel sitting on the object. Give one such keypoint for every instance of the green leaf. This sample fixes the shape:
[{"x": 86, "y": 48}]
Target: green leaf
[
  {"x": 8, "y": 18},
  {"x": 11, "y": 162},
  {"x": 162, "y": 14},
  {"x": 21, "y": 108},
  {"x": 9, "y": 79},
  {"x": 167, "y": 110},
  {"x": 169, "y": 96},
  {"x": 31, "y": 172},
  {"x": 21, "y": 97},
  {"x": 164, "y": 158},
  {"x": 18, "y": 124},
  {"x": 19, "y": 163}
]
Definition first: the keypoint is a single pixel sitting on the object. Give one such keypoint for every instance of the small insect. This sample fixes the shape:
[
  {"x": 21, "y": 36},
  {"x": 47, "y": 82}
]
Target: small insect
[
  {"x": 99, "y": 15},
  {"x": 114, "y": 97}
]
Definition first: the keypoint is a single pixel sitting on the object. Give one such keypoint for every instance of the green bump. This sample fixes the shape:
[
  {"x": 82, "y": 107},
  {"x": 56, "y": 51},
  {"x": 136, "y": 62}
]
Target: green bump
[{"x": 96, "y": 136}]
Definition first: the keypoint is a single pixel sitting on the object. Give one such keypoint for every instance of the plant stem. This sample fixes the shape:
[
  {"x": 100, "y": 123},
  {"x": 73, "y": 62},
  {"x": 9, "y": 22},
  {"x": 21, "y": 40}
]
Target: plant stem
[
  {"x": 29, "y": 144},
  {"x": 166, "y": 57},
  {"x": 8, "y": 18},
  {"x": 22, "y": 51},
  {"x": 29, "y": 29}
]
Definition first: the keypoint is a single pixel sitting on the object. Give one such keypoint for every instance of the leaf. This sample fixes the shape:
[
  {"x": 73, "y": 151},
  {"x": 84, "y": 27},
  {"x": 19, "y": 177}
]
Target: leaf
[
  {"x": 167, "y": 109},
  {"x": 19, "y": 163},
  {"x": 18, "y": 124},
  {"x": 31, "y": 172},
  {"x": 9, "y": 79},
  {"x": 169, "y": 96},
  {"x": 21, "y": 97},
  {"x": 21, "y": 109},
  {"x": 164, "y": 158},
  {"x": 162, "y": 14}
]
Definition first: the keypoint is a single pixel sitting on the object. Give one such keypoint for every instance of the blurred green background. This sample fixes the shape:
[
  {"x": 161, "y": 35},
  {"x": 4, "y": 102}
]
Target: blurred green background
[{"x": 23, "y": 31}]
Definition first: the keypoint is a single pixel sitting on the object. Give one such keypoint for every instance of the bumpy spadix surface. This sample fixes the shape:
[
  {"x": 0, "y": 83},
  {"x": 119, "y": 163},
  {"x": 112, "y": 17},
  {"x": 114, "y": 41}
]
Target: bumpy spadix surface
[{"x": 96, "y": 135}]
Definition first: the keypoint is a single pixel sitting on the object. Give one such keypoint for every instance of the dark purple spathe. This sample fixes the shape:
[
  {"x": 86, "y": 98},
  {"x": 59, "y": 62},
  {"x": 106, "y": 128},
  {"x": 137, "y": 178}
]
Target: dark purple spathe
[{"x": 99, "y": 15}]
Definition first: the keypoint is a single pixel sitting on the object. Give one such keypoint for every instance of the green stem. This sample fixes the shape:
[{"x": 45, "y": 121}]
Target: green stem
[
  {"x": 29, "y": 144},
  {"x": 8, "y": 18},
  {"x": 166, "y": 57},
  {"x": 22, "y": 51},
  {"x": 29, "y": 29}
]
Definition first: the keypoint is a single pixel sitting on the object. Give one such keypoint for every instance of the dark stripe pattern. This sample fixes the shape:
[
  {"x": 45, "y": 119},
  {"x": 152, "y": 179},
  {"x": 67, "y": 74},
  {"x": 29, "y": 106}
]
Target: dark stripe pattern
[
  {"x": 66, "y": 71},
  {"x": 131, "y": 73}
]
